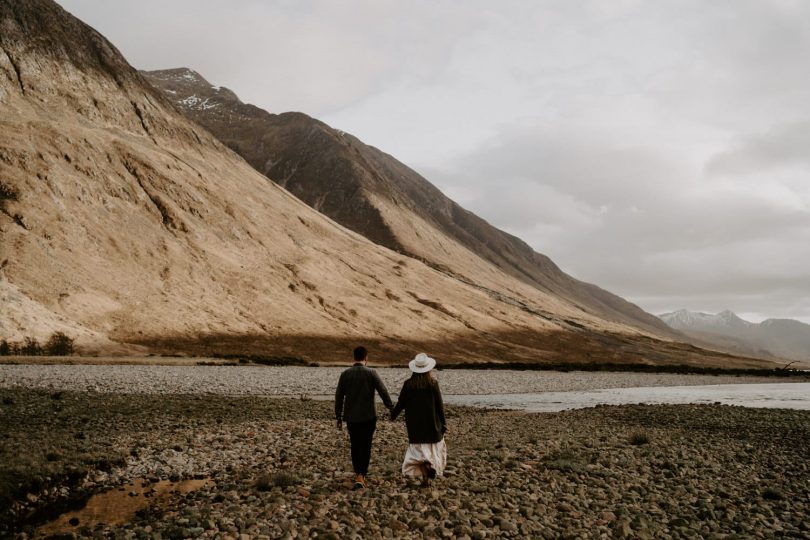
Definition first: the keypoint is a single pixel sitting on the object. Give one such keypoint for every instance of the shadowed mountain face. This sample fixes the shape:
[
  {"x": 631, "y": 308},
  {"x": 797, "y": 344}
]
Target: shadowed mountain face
[
  {"x": 782, "y": 338},
  {"x": 375, "y": 195},
  {"x": 128, "y": 226}
]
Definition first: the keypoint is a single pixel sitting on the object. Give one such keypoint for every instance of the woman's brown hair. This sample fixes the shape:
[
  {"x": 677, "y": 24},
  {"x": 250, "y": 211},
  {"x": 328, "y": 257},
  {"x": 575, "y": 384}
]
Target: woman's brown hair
[{"x": 421, "y": 380}]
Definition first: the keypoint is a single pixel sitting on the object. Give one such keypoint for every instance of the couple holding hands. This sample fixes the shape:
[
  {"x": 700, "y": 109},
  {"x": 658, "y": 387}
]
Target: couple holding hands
[{"x": 421, "y": 400}]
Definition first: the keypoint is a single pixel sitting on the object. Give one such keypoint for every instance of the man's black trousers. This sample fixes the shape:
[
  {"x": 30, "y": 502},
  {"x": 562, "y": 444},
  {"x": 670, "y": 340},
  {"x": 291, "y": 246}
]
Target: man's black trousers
[{"x": 361, "y": 434}]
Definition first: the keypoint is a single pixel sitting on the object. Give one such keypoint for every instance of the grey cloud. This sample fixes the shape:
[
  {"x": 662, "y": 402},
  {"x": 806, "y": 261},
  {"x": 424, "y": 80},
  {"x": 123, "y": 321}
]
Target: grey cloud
[
  {"x": 312, "y": 56},
  {"x": 582, "y": 163},
  {"x": 782, "y": 146},
  {"x": 630, "y": 221}
]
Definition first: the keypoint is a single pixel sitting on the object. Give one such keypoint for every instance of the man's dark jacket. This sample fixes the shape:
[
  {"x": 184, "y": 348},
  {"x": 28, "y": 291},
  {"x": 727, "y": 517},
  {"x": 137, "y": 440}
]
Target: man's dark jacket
[
  {"x": 424, "y": 412},
  {"x": 354, "y": 397}
]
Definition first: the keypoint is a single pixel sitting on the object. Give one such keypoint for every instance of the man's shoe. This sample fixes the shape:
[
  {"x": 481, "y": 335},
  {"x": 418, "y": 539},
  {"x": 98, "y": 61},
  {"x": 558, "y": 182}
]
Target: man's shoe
[{"x": 359, "y": 482}]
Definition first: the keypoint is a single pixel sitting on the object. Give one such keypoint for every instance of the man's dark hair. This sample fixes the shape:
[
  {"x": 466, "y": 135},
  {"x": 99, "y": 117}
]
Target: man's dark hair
[{"x": 360, "y": 354}]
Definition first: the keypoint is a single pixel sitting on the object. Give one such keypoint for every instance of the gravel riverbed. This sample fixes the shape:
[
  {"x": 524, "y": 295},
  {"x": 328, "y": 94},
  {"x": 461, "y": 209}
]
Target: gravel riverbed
[
  {"x": 278, "y": 468},
  {"x": 297, "y": 381}
]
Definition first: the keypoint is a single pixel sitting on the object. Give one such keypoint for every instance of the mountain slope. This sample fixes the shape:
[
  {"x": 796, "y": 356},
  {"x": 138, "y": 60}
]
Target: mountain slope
[
  {"x": 781, "y": 338},
  {"x": 375, "y": 195},
  {"x": 126, "y": 224}
]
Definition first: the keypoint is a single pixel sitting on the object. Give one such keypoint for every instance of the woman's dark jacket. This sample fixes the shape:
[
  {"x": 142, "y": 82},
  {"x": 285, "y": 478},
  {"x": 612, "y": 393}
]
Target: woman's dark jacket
[{"x": 424, "y": 412}]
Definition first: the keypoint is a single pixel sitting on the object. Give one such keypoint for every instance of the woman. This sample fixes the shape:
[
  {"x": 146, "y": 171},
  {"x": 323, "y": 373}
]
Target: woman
[{"x": 421, "y": 399}]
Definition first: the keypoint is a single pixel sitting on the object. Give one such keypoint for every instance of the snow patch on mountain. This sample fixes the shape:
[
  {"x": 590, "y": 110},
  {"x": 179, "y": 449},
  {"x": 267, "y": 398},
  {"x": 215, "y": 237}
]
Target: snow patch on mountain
[{"x": 190, "y": 101}]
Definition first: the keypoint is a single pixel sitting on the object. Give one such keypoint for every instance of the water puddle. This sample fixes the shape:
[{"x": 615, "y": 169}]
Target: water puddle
[{"x": 118, "y": 506}]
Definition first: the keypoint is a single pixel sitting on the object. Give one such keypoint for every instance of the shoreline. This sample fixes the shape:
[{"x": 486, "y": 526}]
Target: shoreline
[
  {"x": 297, "y": 380},
  {"x": 626, "y": 471},
  {"x": 799, "y": 369}
]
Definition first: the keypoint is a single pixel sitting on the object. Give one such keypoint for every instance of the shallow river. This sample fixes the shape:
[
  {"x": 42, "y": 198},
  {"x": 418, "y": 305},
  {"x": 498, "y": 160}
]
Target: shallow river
[
  {"x": 773, "y": 395},
  {"x": 528, "y": 390}
]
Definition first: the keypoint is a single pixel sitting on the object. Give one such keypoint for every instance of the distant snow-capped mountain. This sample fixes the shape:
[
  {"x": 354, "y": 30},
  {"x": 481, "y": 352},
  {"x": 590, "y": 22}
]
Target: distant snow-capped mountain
[
  {"x": 688, "y": 320},
  {"x": 784, "y": 338}
]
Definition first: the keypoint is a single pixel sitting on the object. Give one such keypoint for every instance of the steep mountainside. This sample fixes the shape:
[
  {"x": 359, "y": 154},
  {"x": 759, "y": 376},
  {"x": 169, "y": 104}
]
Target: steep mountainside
[
  {"x": 782, "y": 338},
  {"x": 375, "y": 195},
  {"x": 127, "y": 225}
]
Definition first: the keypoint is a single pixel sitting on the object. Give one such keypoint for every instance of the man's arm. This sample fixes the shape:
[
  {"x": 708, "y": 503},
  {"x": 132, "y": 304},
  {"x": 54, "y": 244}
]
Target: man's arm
[
  {"x": 382, "y": 390},
  {"x": 340, "y": 394}
]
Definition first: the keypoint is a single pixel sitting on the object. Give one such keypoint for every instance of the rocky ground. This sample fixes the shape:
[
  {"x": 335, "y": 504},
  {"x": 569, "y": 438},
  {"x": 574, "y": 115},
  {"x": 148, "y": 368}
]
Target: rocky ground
[
  {"x": 279, "y": 468},
  {"x": 297, "y": 381}
]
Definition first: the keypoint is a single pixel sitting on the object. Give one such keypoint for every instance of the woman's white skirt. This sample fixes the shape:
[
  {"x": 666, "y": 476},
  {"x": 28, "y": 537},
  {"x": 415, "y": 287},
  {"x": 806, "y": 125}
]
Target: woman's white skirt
[{"x": 417, "y": 455}]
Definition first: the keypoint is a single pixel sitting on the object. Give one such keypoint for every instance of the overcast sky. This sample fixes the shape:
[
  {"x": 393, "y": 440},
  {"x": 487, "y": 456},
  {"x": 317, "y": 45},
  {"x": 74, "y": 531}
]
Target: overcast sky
[{"x": 659, "y": 149}]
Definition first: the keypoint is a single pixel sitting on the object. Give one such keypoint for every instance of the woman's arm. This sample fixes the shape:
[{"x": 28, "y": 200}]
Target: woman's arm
[
  {"x": 437, "y": 397},
  {"x": 401, "y": 400}
]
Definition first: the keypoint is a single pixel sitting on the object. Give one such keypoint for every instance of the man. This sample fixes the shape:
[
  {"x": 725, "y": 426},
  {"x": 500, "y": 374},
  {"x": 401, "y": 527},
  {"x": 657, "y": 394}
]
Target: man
[{"x": 354, "y": 403}]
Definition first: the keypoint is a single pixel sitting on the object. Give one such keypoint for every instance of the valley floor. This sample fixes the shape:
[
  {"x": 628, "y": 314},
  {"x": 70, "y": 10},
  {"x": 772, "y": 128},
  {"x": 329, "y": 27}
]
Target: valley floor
[
  {"x": 279, "y": 468},
  {"x": 308, "y": 381}
]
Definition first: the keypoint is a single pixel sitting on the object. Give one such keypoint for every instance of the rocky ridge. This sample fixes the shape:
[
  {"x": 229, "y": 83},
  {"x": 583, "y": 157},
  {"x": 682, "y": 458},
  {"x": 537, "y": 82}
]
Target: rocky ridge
[{"x": 375, "y": 195}]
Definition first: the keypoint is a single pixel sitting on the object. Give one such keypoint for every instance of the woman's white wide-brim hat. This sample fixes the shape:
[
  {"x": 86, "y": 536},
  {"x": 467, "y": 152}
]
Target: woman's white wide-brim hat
[{"x": 422, "y": 363}]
